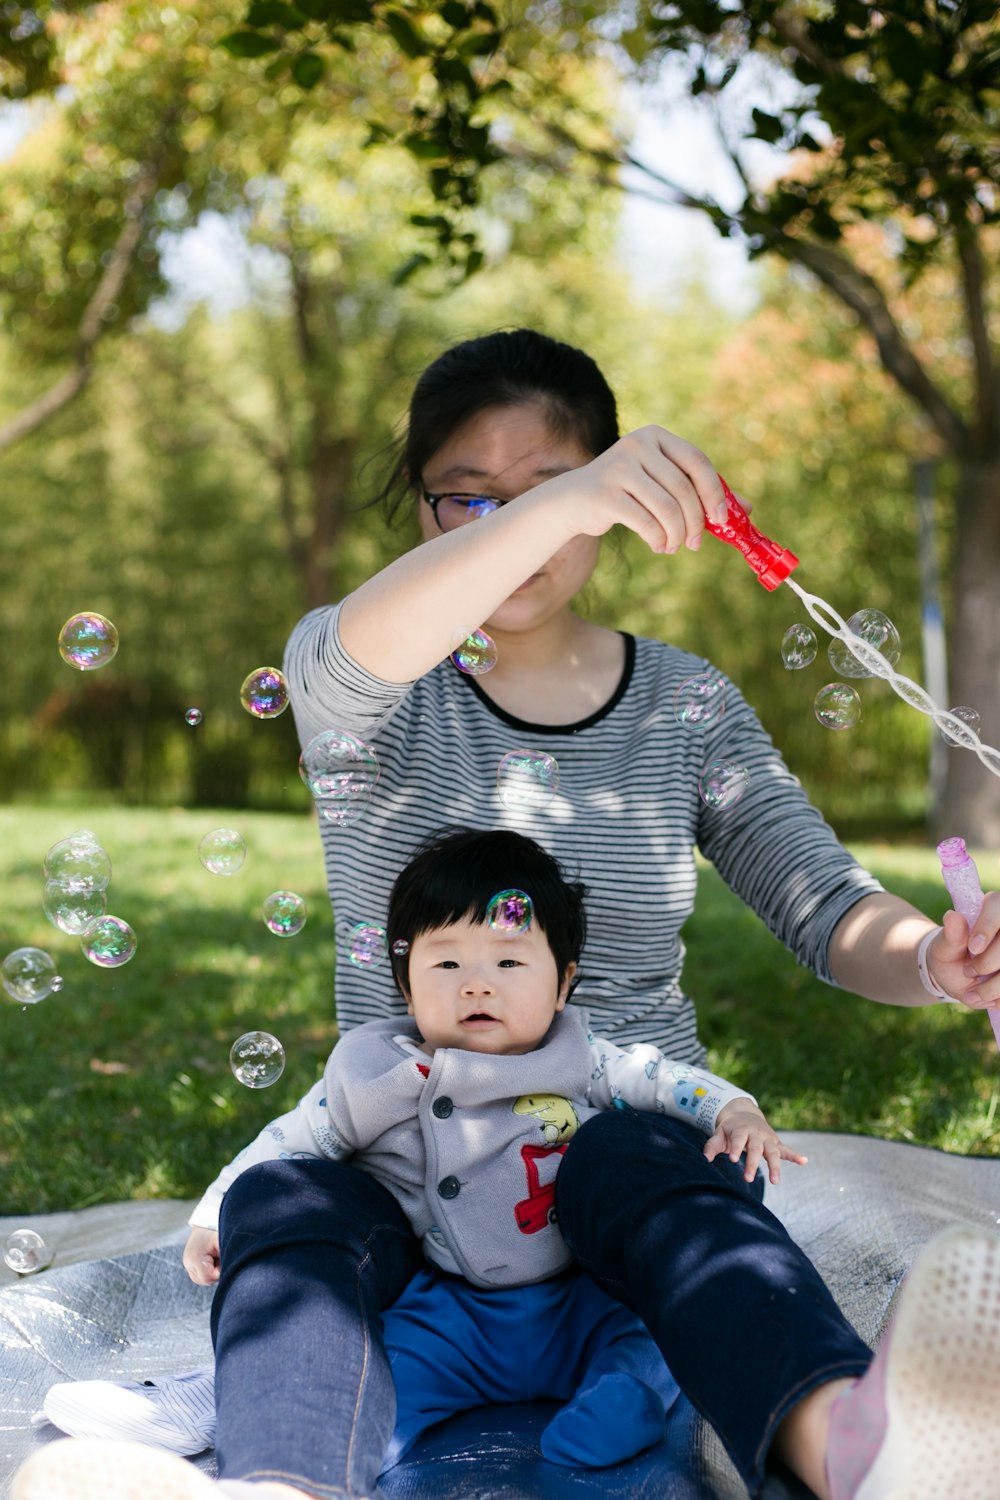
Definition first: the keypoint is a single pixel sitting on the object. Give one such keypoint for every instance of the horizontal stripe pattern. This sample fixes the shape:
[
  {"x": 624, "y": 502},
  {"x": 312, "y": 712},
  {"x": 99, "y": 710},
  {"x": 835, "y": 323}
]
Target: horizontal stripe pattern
[{"x": 626, "y": 819}]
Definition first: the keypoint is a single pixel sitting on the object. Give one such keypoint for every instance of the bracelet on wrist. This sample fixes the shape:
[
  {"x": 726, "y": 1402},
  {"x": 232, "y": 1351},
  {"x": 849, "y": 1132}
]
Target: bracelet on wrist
[{"x": 927, "y": 979}]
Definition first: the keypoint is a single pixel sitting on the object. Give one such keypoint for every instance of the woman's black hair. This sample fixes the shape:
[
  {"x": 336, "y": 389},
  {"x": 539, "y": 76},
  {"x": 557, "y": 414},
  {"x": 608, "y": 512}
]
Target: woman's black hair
[
  {"x": 506, "y": 368},
  {"x": 454, "y": 876}
]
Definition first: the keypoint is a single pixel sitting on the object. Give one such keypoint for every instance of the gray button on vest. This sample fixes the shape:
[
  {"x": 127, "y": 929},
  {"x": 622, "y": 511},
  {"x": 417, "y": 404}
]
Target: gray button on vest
[
  {"x": 442, "y": 1108},
  {"x": 449, "y": 1187}
]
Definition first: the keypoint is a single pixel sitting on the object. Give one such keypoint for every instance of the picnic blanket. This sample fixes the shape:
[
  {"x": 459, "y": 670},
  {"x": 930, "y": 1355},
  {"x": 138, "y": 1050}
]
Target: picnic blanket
[{"x": 117, "y": 1304}]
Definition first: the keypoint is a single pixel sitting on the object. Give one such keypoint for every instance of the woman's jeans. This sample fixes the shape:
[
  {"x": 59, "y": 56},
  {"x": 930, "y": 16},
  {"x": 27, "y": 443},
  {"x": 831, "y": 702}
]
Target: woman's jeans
[{"x": 311, "y": 1251}]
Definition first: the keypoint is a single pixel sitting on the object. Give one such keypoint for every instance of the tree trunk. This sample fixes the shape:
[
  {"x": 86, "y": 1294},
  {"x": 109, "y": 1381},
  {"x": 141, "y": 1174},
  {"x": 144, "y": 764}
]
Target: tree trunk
[
  {"x": 970, "y": 805},
  {"x": 331, "y": 470}
]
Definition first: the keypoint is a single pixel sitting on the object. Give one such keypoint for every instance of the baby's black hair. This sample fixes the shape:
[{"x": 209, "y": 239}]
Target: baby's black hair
[{"x": 454, "y": 876}]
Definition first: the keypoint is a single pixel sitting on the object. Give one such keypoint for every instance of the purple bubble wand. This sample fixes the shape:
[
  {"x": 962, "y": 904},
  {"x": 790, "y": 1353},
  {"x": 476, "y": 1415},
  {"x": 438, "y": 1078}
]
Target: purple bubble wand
[{"x": 959, "y": 873}]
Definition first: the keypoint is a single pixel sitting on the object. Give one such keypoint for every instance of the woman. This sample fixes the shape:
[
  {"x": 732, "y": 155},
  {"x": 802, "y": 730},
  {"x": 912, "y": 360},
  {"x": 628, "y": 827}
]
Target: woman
[{"x": 513, "y": 459}]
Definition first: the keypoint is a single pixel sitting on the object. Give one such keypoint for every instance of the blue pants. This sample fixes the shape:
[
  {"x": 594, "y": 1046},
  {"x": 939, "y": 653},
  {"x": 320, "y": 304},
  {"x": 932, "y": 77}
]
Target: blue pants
[
  {"x": 452, "y": 1346},
  {"x": 313, "y": 1251}
]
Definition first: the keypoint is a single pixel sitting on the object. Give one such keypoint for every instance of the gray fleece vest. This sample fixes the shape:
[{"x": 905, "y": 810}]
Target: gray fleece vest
[{"x": 468, "y": 1143}]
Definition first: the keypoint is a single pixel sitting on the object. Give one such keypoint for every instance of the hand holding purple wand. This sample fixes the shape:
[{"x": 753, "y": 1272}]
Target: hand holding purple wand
[{"x": 959, "y": 873}]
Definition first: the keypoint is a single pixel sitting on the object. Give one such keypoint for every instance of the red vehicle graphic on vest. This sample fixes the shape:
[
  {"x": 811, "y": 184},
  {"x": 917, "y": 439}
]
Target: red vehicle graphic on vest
[{"x": 539, "y": 1208}]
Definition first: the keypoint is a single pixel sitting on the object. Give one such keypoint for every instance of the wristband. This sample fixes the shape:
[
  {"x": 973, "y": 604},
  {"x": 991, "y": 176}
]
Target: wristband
[{"x": 927, "y": 979}]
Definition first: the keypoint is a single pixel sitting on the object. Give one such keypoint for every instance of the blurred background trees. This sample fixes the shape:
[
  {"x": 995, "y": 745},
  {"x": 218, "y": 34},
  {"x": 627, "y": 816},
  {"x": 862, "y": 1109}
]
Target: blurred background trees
[{"x": 196, "y": 469}]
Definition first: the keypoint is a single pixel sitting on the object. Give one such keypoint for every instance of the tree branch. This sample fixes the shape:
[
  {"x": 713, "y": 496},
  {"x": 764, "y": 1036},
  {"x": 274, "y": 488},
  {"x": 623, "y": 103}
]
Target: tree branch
[
  {"x": 790, "y": 31},
  {"x": 92, "y": 322}
]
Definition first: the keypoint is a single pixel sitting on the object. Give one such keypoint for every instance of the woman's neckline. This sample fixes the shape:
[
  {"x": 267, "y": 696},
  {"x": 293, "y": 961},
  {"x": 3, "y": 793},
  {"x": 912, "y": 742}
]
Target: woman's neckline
[{"x": 586, "y": 723}]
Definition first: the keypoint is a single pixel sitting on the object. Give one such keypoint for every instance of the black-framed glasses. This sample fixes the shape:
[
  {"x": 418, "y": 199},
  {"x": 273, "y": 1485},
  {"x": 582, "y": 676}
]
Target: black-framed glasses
[{"x": 453, "y": 510}]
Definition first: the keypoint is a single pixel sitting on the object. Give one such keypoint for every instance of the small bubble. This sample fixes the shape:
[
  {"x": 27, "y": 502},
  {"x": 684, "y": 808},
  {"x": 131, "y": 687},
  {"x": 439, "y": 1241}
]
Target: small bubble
[
  {"x": 26, "y": 1252},
  {"x": 87, "y": 641},
  {"x": 873, "y": 628},
  {"x": 72, "y": 910},
  {"x": 700, "y": 701},
  {"x": 264, "y": 693},
  {"x": 400, "y": 947},
  {"x": 340, "y": 771},
  {"x": 968, "y": 716},
  {"x": 193, "y": 716},
  {"x": 284, "y": 913},
  {"x": 366, "y": 945},
  {"x": 510, "y": 911},
  {"x": 837, "y": 706},
  {"x": 257, "y": 1059},
  {"x": 722, "y": 784},
  {"x": 57, "y": 983},
  {"x": 527, "y": 778},
  {"x": 798, "y": 647},
  {"x": 109, "y": 942},
  {"x": 78, "y": 863},
  {"x": 222, "y": 851},
  {"x": 474, "y": 652},
  {"x": 27, "y": 975}
]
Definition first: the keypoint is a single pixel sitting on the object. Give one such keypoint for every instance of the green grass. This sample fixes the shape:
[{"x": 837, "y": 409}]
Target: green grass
[{"x": 119, "y": 1085}]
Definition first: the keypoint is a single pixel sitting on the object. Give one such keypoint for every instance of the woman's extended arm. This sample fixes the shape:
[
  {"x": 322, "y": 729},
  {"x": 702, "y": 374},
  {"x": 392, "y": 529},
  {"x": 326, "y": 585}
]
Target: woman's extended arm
[{"x": 873, "y": 952}]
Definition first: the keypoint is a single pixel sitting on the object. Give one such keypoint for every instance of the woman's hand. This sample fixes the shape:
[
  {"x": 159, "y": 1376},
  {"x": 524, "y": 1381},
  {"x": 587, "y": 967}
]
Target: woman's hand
[
  {"x": 650, "y": 481},
  {"x": 201, "y": 1256},
  {"x": 741, "y": 1128},
  {"x": 967, "y": 964}
]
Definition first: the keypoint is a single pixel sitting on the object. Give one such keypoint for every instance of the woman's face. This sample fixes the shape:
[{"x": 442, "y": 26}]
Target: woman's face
[{"x": 502, "y": 452}]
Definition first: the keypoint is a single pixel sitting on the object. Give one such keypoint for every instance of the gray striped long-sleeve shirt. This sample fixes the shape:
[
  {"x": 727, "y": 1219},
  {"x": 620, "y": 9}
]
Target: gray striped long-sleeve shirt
[{"x": 625, "y": 819}]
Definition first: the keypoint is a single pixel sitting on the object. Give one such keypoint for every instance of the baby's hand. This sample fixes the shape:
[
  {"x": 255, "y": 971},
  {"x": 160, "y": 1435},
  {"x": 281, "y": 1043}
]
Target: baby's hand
[
  {"x": 741, "y": 1128},
  {"x": 201, "y": 1256}
]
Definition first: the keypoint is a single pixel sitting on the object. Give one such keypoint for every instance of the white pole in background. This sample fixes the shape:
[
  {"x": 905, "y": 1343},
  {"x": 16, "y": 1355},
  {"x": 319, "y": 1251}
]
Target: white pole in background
[{"x": 932, "y": 622}]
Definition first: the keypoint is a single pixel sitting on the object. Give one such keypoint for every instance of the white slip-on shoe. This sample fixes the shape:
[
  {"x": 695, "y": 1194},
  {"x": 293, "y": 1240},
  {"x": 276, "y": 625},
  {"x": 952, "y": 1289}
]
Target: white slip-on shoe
[
  {"x": 921, "y": 1423},
  {"x": 91, "y": 1469},
  {"x": 175, "y": 1412}
]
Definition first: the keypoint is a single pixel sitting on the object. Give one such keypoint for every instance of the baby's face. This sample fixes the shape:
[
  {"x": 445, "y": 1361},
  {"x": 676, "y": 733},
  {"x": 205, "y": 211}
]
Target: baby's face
[{"x": 484, "y": 991}]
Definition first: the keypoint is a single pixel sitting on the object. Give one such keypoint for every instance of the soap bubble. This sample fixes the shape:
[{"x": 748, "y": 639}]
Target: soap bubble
[
  {"x": 257, "y": 1059},
  {"x": 527, "y": 778},
  {"x": 79, "y": 863},
  {"x": 837, "y": 706},
  {"x": 798, "y": 647},
  {"x": 474, "y": 652},
  {"x": 400, "y": 947},
  {"x": 193, "y": 716},
  {"x": 700, "y": 701},
  {"x": 264, "y": 693},
  {"x": 340, "y": 771},
  {"x": 28, "y": 975},
  {"x": 284, "y": 913},
  {"x": 57, "y": 984},
  {"x": 722, "y": 784},
  {"x": 875, "y": 629},
  {"x": 510, "y": 911},
  {"x": 72, "y": 910},
  {"x": 88, "y": 641},
  {"x": 366, "y": 945},
  {"x": 968, "y": 716},
  {"x": 26, "y": 1252},
  {"x": 109, "y": 942},
  {"x": 222, "y": 851}
]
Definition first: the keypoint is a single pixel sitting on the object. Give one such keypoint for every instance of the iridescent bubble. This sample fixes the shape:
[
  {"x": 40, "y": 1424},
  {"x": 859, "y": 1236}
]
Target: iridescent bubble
[
  {"x": 26, "y": 1252},
  {"x": 193, "y": 716},
  {"x": 257, "y": 1059},
  {"x": 722, "y": 783},
  {"x": 88, "y": 641},
  {"x": 284, "y": 913},
  {"x": 798, "y": 647},
  {"x": 109, "y": 942},
  {"x": 968, "y": 716},
  {"x": 875, "y": 629},
  {"x": 701, "y": 700},
  {"x": 78, "y": 863},
  {"x": 400, "y": 947},
  {"x": 837, "y": 706},
  {"x": 28, "y": 974},
  {"x": 366, "y": 945},
  {"x": 72, "y": 910},
  {"x": 474, "y": 652},
  {"x": 527, "y": 778},
  {"x": 264, "y": 693},
  {"x": 510, "y": 911},
  {"x": 340, "y": 771},
  {"x": 57, "y": 983},
  {"x": 222, "y": 851}
]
